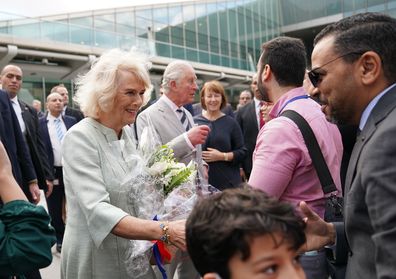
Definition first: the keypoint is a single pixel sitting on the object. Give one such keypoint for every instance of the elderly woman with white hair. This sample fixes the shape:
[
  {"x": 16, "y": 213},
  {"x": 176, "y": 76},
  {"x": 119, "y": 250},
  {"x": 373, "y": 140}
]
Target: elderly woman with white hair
[{"x": 99, "y": 224}]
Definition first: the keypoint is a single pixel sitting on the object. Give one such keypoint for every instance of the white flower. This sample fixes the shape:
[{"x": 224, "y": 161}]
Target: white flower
[
  {"x": 169, "y": 175},
  {"x": 158, "y": 168},
  {"x": 179, "y": 166}
]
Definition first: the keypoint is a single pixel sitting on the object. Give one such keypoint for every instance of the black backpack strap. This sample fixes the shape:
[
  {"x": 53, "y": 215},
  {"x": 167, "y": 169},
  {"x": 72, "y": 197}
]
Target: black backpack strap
[{"x": 318, "y": 161}]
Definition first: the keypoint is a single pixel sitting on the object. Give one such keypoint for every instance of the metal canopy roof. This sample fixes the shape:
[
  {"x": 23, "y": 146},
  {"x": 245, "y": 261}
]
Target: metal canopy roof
[{"x": 65, "y": 61}]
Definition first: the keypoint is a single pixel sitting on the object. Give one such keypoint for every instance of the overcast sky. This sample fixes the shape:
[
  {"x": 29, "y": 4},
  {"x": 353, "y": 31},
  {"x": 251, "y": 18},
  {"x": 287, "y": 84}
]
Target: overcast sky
[{"x": 33, "y": 8}]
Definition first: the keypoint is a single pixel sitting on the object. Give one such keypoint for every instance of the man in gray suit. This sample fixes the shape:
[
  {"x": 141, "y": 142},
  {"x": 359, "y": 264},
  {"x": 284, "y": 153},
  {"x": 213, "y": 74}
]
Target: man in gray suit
[
  {"x": 179, "y": 87},
  {"x": 175, "y": 127},
  {"x": 354, "y": 71}
]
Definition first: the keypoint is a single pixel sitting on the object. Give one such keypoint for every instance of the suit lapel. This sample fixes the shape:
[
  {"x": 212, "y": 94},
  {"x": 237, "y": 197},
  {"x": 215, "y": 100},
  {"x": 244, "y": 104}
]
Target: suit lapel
[
  {"x": 27, "y": 117},
  {"x": 45, "y": 131},
  {"x": 384, "y": 106},
  {"x": 360, "y": 141},
  {"x": 170, "y": 117},
  {"x": 252, "y": 114},
  {"x": 67, "y": 121}
]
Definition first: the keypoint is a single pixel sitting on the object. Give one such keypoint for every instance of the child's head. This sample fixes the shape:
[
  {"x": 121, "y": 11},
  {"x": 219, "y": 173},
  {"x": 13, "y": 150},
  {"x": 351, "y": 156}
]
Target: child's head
[{"x": 243, "y": 233}]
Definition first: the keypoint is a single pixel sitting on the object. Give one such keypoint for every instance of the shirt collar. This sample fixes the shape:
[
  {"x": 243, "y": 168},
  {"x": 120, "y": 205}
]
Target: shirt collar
[
  {"x": 51, "y": 117},
  {"x": 256, "y": 102},
  {"x": 367, "y": 111},
  {"x": 169, "y": 102},
  {"x": 283, "y": 100},
  {"x": 15, "y": 100}
]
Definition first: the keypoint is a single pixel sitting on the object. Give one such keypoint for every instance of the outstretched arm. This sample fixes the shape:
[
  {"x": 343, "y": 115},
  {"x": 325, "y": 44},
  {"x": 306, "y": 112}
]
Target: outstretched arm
[{"x": 9, "y": 189}]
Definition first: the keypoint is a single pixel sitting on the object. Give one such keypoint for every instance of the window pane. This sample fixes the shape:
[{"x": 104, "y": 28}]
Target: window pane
[
  {"x": 81, "y": 35},
  {"x": 163, "y": 50},
  {"x": 26, "y": 29},
  {"x": 177, "y": 35},
  {"x": 104, "y": 22},
  {"x": 126, "y": 23},
  {"x": 56, "y": 31},
  {"x": 105, "y": 39},
  {"x": 215, "y": 59},
  {"x": 178, "y": 52},
  {"x": 204, "y": 57},
  {"x": 192, "y": 55},
  {"x": 213, "y": 31},
  {"x": 126, "y": 42},
  {"x": 191, "y": 39}
]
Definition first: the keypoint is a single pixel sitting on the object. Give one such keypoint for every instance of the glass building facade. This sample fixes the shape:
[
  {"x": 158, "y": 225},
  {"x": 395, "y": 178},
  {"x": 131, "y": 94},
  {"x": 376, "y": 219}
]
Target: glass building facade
[
  {"x": 223, "y": 33},
  {"x": 212, "y": 32}
]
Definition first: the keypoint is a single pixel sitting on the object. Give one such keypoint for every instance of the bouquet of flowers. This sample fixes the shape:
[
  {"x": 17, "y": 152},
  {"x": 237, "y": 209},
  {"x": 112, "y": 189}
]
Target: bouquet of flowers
[{"x": 158, "y": 188}]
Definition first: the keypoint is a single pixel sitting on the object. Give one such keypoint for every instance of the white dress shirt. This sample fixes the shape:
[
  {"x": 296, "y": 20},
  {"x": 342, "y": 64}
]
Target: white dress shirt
[
  {"x": 257, "y": 108},
  {"x": 18, "y": 112},
  {"x": 56, "y": 144}
]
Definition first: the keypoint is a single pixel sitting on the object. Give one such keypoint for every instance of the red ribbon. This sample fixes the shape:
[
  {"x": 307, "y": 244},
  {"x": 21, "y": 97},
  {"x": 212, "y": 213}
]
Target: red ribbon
[{"x": 164, "y": 252}]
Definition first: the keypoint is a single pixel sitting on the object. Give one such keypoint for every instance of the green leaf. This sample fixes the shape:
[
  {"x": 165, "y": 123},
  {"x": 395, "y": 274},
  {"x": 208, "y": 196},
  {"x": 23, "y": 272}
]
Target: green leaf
[{"x": 178, "y": 179}]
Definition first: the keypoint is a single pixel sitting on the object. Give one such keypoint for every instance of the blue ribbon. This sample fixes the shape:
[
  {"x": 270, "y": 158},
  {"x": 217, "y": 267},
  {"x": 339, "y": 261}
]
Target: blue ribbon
[
  {"x": 292, "y": 100},
  {"x": 157, "y": 256}
]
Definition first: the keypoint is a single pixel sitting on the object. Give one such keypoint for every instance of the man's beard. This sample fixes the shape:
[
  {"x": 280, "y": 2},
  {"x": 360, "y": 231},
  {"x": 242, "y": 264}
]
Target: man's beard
[
  {"x": 263, "y": 92},
  {"x": 334, "y": 115}
]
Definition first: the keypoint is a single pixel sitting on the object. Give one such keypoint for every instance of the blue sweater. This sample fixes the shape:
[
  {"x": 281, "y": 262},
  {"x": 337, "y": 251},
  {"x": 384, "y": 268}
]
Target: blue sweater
[{"x": 226, "y": 136}]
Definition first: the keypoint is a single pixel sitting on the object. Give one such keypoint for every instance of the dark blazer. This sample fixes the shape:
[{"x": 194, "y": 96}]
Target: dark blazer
[
  {"x": 69, "y": 122},
  {"x": 247, "y": 120},
  {"x": 77, "y": 114},
  {"x": 15, "y": 145},
  {"x": 370, "y": 196},
  {"x": 36, "y": 146},
  {"x": 348, "y": 135}
]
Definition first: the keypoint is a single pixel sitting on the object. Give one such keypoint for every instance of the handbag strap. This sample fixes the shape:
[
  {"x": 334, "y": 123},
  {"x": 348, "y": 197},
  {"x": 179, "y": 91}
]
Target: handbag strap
[{"x": 317, "y": 158}]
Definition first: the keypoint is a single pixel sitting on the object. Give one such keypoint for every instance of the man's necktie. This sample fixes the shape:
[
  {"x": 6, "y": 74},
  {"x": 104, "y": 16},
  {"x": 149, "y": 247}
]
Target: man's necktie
[
  {"x": 262, "y": 122},
  {"x": 59, "y": 130},
  {"x": 184, "y": 119}
]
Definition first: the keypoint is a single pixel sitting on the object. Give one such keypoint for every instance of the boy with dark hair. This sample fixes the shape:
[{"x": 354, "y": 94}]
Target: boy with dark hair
[{"x": 243, "y": 233}]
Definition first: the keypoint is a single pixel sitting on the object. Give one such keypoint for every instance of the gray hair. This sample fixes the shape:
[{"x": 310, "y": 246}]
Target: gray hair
[
  {"x": 247, "y": 91},
  {"x": 174, "y": 71},
  {"x": 96, "y": 89}
]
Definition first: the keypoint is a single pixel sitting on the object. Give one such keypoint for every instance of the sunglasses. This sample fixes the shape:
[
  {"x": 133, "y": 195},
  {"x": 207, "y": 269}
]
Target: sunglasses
[{"x": 315, "y": 77}]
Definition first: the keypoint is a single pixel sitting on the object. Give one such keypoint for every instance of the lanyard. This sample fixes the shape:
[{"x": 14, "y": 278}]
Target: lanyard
[{"x": 292, "y": 100}]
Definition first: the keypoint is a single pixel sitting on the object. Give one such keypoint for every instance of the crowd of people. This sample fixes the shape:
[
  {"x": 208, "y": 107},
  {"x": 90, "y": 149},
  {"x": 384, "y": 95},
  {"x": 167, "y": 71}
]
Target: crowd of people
[{"x": 271, "y": 227}]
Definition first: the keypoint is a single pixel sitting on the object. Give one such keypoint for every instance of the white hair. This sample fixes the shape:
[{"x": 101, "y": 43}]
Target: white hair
[
  {"x": 96, "y": 89},
  {"x": 174, "y": 71}
]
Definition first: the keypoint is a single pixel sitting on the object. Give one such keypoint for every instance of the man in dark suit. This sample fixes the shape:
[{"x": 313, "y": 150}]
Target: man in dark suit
[
  {"x": 248, "y": 119},
  {"x": 359, "y": 51},
  {"x": 12, "y": 138},
  {"x": 53, "y": 128},
  {"x": 17, "y": 150},
  {"x": 62, "y": 90},
  {"x": 11, "y": 80}
]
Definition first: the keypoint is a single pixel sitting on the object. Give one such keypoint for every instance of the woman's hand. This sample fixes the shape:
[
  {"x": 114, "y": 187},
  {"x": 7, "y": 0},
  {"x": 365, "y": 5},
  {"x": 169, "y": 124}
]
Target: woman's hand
[
  {"x": 177, "y": 234},
  {"x": 212, "y": 155}
]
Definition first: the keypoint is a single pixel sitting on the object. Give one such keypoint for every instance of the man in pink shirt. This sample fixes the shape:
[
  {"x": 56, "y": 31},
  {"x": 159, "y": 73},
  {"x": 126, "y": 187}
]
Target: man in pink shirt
[{"x": 282, "y": 166}]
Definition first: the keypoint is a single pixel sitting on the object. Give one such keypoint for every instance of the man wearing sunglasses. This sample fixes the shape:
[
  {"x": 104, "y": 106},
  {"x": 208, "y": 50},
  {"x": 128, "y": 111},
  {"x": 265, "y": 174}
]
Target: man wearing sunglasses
[
  {"x": 354, "y": 71},
  {"x": 282, "y": 166}
]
